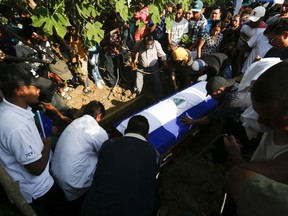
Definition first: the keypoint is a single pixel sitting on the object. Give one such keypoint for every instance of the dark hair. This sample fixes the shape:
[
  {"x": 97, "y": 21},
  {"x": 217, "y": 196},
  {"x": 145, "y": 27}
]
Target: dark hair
[
  {"x": 94, "y": 108},
  {"x": 138, "y": 124},
  {"x": 26, "y": 33},
  {"x": 216, "y": 7},
  {"x": 272, "y": 85},
  {"x": 179, "y": 6},
  {"x": 216, "y": 23},
  {"x": 13, "y": 76},
  {"x": 277, "y": 27},
  {"x": 148, "y": 37},
  {"x": 170, "y": 4}
]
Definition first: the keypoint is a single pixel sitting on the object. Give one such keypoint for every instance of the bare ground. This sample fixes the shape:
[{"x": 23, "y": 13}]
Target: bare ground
[{"x": 110, "y": 98}]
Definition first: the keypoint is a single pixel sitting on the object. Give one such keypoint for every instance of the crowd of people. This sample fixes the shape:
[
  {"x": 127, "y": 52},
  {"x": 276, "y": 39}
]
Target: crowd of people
[{"x": 86, "y": 172}]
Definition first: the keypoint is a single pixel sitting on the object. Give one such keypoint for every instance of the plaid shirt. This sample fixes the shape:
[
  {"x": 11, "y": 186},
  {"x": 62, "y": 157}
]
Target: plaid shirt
[
  {"x": 210, "y": 46},
  {"x": 197, "y": 28}
]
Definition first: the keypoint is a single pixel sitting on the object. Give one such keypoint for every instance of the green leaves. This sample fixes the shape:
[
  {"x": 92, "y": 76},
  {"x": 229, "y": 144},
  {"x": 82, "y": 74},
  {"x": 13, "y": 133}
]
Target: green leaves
[
  {"x": 155, "y": 15},
  {"x": 168, "y": 22},
  {"x": 94, "y": 32},
  {"x": 122, "y": 8},
  {"x": 47, "y": 21},
  {"x": 140, "y": 24},
  {"x": 86, "y": 10}
]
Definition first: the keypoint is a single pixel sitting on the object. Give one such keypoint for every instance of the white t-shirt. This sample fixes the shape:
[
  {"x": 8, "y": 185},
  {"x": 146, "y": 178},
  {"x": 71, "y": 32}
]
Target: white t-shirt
[
  {"x": 250, "y": 32},
  {"x": 246, "y": 33},
  {"x": 255, "y": 70},
  {"x": 178, "y": 29},
  {"x": 260, "y": 46},
  {"x": 267, "y": 149},
  {"x": 21, "y": 144},
  {"x": 76, "y": 155}
]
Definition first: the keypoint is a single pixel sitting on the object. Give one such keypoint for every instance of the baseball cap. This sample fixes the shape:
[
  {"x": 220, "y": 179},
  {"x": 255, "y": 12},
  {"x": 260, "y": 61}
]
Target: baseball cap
[
  {"x": 216, "y": 82},
  {"x": 180, "y": 54},
  {"x": 197, "y": 6},
  {"x": 198, "y": 65},
  {"x": 61, "y": 69},
  {"x": 257, "y": 13},
  {"x": 21, "y": 74}
]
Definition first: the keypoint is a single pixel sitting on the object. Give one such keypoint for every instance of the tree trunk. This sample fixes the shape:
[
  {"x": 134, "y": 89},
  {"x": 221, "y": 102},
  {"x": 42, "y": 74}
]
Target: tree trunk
[{"x": 12, "y": 190}]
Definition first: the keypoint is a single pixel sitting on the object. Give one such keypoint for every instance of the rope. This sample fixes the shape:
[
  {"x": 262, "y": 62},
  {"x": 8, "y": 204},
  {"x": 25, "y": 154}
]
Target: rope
[{"x": 148, "y": 73}]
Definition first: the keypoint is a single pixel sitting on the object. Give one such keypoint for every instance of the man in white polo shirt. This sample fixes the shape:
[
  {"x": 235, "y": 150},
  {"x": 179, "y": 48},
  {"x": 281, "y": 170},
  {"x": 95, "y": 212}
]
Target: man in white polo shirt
[
  {"x": 76, "y": 153},
  {"x": 24, "y": 155}
]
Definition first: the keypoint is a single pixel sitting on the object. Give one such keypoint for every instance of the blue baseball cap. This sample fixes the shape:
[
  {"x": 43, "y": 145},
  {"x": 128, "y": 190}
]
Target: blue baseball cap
[{"x": 197, "y": 6}]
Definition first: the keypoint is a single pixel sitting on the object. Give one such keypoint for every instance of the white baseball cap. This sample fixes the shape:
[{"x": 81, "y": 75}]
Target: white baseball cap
[{"x": 257, "y": 13}]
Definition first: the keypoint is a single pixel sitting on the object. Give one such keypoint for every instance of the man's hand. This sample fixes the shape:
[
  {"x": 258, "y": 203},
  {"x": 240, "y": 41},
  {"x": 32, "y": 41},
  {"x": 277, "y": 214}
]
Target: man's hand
[
  {"x": 173, "y": 47},
  {"x": 66, "y": 119},
  {"x": 186, "y": 120},
  {"x": 233, "y": 148}
]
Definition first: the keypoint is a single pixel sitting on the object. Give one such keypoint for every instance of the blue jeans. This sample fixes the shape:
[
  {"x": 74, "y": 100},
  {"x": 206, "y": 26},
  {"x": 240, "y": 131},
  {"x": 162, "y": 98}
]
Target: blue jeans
[{"x": 93, "y": 65}]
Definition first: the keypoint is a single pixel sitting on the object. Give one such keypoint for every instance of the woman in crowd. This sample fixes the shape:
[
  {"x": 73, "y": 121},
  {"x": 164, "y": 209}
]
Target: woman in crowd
[{"x": 210, "y": 42}]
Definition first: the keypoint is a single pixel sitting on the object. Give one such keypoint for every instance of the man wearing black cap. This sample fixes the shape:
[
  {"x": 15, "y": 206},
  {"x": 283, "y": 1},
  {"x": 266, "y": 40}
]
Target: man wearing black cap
[
  {"x": 23, "y": 153},
  {"x": 231, "y": 104}
]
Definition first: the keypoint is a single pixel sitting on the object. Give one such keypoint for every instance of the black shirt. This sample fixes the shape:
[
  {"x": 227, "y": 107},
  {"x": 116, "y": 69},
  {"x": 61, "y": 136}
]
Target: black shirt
[{"x": 124, "y": 180}]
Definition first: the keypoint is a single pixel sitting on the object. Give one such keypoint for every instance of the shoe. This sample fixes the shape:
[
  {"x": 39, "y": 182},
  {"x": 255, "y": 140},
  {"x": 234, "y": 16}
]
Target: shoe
[
  {"x": 135, "y": 94},
  {"x": 102, "y": 82},
  {"x": 66, "y": 96},
  {"x": 68, "y": 89},
  {"x": 99, "y": 85},
  {"x": 86, "y": 90}
]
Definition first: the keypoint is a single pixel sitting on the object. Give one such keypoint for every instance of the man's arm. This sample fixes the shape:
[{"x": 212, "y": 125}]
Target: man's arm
[
  {"x": 161, "y": 53},
  {"x": 199, "y": 48},
  {"x": 37, "y": 167},
  {"x": 170, "y": 42},
  {"x": 201, "y": 121},
  {"x": 135, "y": 54},
  {"x": 273, "y": 169},
  {"x": 53, "y": 109}
]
